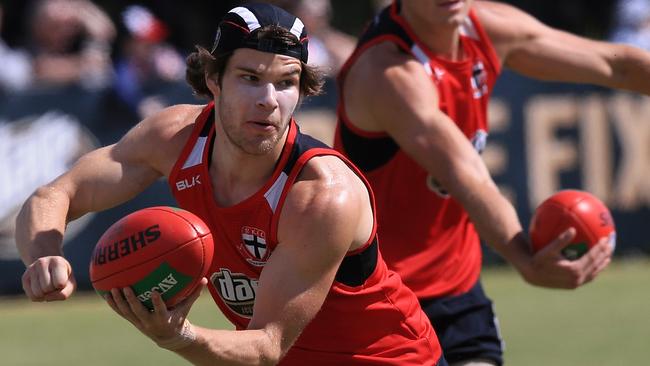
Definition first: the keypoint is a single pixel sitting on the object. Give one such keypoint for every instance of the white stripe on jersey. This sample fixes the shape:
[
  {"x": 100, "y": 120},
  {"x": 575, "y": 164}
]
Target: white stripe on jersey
[
  {"x": 273, "y": 194},
  {"x": 196, "y": 156},
  {"x": 422, "y": 57},
  {"x": 468, "y": 29}
]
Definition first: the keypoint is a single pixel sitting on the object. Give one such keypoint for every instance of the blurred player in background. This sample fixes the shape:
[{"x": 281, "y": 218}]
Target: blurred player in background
[
  {"x": 297, "y": 267},
  {"x": 413, "y": 118}
]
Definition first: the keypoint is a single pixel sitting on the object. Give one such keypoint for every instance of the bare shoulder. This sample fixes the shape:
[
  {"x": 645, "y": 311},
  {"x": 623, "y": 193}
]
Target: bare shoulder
[
  {"x": 171, "y": 127},
  {"x": 329, "y": 181},
  {"x": 328, "y": 198},
  {"x": 381, "y": 62},
  {"x": 169, "y": 122},
  {"x": 383, "y": 83},
  {"x": 505, "y": 22}
]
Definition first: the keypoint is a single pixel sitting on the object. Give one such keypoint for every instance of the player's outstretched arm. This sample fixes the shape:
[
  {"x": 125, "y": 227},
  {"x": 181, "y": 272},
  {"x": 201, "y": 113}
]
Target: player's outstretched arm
[
  {"x": 100, "y": 179},
  {"x": 397, "y": 96},
  {"x": 320, "y": 220},
  {"x": 531, "y": 48}
]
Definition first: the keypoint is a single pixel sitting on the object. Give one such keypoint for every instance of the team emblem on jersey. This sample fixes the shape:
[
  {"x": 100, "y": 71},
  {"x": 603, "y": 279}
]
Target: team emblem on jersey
[
  {"x": 236, "y": 290},
  {"x": 479, "y": 140},
  {"x": 253, "y": 246},
  {"x": 435, "y": 187},
  {"x": 479, "y": 80}
]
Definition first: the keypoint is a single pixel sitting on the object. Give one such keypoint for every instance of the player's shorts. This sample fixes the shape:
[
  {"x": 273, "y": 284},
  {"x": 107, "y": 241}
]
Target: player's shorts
[{"x": 466, "y": 326}]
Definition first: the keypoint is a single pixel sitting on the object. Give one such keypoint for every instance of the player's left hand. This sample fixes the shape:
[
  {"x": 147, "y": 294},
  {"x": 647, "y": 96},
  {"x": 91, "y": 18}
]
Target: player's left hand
[
  {"x": 169, "y": 328},
  {"x": 551, "y": 269}
]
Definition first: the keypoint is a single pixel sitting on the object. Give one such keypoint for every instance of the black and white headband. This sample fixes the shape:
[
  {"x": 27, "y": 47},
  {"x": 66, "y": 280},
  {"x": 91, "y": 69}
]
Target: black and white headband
[{"x": 237, "y": 29}]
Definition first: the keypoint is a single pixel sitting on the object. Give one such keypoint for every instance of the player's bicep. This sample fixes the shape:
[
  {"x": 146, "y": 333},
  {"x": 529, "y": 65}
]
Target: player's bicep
[
  {"x": 407, "y": 109},
  {"x": 300, "y": 272},
  {"x": 104, "y": 178},
  {"x": 534, "y": 49}
]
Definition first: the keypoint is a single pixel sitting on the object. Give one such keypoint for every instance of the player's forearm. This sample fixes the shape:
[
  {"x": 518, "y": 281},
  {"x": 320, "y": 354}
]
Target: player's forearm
[
  {"x": 41, "y": 223},
  {"x": 497, "y": 223},
  {"x": 224, "y": 347},
  {"x": 631, "y": 69}
]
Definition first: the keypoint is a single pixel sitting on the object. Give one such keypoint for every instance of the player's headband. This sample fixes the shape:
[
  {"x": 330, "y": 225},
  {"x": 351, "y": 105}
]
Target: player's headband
[{"x": 238, "y": 27}]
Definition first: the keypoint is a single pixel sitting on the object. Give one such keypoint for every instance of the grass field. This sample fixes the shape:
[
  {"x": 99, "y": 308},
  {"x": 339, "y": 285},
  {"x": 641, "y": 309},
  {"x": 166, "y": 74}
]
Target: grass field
[{"x": 604, "y": 323}]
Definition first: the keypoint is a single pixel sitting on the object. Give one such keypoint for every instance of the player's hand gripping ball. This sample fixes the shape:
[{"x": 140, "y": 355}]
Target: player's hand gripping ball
[
  {"x": 572, "y": 208},
  {"x": 161, "y": 249}
]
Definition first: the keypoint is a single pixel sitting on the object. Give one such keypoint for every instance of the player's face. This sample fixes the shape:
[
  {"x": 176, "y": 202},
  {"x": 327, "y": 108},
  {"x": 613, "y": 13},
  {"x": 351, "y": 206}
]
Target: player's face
[
  {"x": 257, "y": 97},
  {"x": 439, "y": 12}
]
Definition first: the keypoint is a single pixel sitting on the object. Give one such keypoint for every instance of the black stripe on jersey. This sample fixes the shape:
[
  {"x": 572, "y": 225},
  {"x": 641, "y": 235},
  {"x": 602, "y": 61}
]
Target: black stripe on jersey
[
  {"x": 355, "y": 269},
  {"x": 300, "y": 146},
  {"x": 384, "y": 24},
  {"x": 205, "y": 131},
  {"x": 367, "y": 153}
]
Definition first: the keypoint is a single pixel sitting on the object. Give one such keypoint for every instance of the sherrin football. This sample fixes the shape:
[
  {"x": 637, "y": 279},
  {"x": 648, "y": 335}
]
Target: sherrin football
[
  {"x": 163, "y": 249},
  {"x": 572, "y": 208}
]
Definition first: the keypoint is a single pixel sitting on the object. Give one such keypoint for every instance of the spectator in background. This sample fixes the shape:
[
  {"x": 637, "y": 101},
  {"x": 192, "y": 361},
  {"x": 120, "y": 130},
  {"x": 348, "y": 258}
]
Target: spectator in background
[
  {"x": 146, "y": 61},
  {"x": 70, "y": 43},
  {"x": 632, "y": 23},
  {"x": 16, "y": 70},
  {"x": 328, "y": 46}
]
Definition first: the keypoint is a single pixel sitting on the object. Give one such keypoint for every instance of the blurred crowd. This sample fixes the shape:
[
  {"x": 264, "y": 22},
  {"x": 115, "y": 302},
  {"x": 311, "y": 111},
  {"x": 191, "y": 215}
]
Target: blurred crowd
[
  {"x": 127, "y": 47},
  {"x": 132, "y": 48}
]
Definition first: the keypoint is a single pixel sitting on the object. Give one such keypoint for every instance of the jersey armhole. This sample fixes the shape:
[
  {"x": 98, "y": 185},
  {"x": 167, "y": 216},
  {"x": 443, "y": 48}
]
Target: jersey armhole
[{"x": 199, "y": 124}]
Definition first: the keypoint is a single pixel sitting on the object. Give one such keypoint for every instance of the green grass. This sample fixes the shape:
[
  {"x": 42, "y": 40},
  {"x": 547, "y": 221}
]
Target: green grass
[{"x": 604, "y": 323}]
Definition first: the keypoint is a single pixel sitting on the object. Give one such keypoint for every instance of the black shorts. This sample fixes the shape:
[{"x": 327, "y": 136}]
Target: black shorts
[{"x": 466, "y": 326}]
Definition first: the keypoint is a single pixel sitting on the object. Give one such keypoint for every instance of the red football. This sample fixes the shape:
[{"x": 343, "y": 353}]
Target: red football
[
  {"x": 163, "y": 249},
  {"x": 572, "y": 208}
]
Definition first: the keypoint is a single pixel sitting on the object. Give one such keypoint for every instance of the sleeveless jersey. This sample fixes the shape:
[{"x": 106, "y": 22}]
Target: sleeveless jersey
[
  {"x": 369, "y": 316},
  {"x": 426, "y": 236}
]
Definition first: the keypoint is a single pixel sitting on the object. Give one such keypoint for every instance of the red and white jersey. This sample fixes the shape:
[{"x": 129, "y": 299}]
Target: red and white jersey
[
  {"x": 426, "y": 236},
  {"x": 369, "y": 317}
]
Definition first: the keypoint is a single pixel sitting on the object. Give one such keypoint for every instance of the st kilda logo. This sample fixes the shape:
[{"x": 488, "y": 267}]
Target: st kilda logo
[{"x": 253, "y": 246}]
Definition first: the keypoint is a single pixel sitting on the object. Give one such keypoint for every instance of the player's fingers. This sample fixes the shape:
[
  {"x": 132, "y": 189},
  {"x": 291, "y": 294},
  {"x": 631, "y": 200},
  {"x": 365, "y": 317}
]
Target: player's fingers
[
  {"x": 35, "y": 283},
  {"x": 559, "y": 243},
  {"x": 159, "y": 307},
  {"x": 27, "y": 285},
  {"x": 109, "y": 300},
  {"x": 123, "y": 307},
  {"x": 598, "y": 270},
  {"x": 64, "y": 293},
  {"x": 134, "y": 303},
  {"x": 186, "y": 305},
  {"x": 44, "y": 279},
  {"x": 553, "y": 250},
  {"x": 598, "y": 254},
  {"x": 59, "y": 274}
]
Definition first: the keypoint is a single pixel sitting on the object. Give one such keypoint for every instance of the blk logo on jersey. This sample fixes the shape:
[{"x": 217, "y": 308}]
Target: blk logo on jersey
[
  {"x": 188, "y": 183},
  {"x": 236, "y": 290},
  {"x": 253, "y": 246},
  {"x": 479, "y": 80}
]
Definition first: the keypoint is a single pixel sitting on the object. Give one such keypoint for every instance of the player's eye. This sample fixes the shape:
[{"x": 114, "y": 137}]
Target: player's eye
[
  {"x": 250, "y": 78},
  {"x": 288, "y": 83}
]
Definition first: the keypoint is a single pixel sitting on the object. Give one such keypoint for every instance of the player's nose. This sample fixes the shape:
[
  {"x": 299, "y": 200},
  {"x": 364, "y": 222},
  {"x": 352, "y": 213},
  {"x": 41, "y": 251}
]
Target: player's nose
[{"x": 267, "y": 97}]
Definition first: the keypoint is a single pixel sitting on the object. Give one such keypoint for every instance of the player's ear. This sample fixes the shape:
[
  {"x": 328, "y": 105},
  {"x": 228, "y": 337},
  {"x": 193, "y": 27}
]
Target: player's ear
[{"x": 212, "y": 82}]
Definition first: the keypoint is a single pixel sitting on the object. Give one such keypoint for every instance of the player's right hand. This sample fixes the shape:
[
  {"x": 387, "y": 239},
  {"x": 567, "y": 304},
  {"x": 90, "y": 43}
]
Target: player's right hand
[{"x": 49, "y": 279}]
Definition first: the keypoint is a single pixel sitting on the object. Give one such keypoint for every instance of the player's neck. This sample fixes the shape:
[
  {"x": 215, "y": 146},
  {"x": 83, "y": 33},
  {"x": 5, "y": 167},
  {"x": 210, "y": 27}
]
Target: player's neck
[
  {"x": 442, "y": 39},
  {"x": 237, "y": 175}
]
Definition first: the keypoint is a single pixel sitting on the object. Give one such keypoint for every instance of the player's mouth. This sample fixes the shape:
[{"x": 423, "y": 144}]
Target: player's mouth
[
  {"x": 451, "y": 5},
  {"x": 261, "y": 125}
]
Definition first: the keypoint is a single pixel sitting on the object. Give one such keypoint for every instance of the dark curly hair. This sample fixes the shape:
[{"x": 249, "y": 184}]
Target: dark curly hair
[{"x": 202, "y": 63}]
